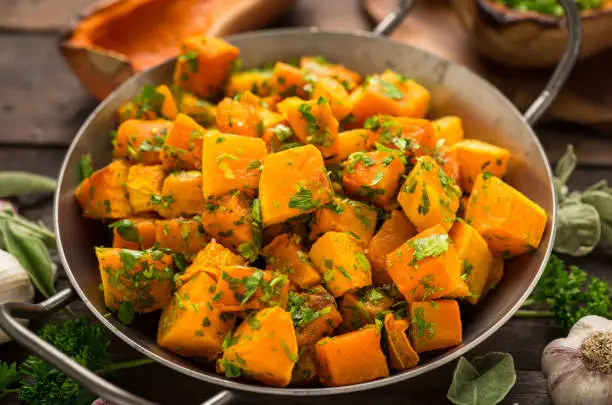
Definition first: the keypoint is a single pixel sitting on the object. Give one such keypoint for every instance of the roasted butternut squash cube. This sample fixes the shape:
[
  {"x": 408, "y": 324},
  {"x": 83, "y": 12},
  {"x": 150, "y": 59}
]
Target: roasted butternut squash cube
[
  {"x": 190, "y": 325},
  {"x": 290, "y": 80},
  {"x": 495, "y": 275},
  {"x": 389, "y": 93},
  {"x": 212, "y": 258},
  {"x": 449, "y": 128},
  {"x": 140, "y": 141},
  {"x": 231, "y": 162},
  {"x": 476, "y": 157},
  {"x": 297, "y": 226},
  {"x": 141, "y": 281},
  {"x": 201, "y": 111},
  {"x": 344, "y": 215},
  {"x": 393, "y": 232},
  {"x": 337, "y": 95},
  {"x": 446, "y": 157},
  {"x": 475, "y": 259},
  {"x": 412, "y": 136},
  {"x": 258, "y": 81},
  {"x": 341, "y": 260},
  {"x": 169, "y": 107},
  {"x": 426, "y": 266},
  {"x": 134, "y": 233},
  {"x": 240, "y": 288},
  {"x": 305, "y": 370},
  {"x": 373, "y": 176},
  {"x": 183, "y": 147},
  {"x": 147, "y": 105},
  {"x": 263, "y": 347},
  {"x": 234, "y": 117},
  {"x": 278, "y": 137},
  {"x": 180, "y": 235},
  {"x": 293, "y": 182},
  {"x": 285, "y": 255},
  {"x": 103, "y": 195},
  {"x": 228, "y": 219},
  {"x": 509, "y": 222},
  {"x": 320, "y": 67},
  {"x": 204, "y": 64},
  {"x": 313, "y": 123},
  {"x": 429, "y": 196},
  {"x": 314, "y": 314},
  {"x": 351, "y": 358},
  {"x": 401, "y": 354},
  {"x": 181, "y": 195},
  {"x": 354, "y": 140},
  {"x": 360, "y": 308},
  {"x": 143, "y": 184},
  {"x": 435, "y": 325}
]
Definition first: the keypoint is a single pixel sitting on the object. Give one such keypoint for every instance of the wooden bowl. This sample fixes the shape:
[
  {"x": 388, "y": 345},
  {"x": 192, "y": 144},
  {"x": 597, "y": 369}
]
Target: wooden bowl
[
  {"x": 529, "y": 39},
  {"x": 112, "y": 40}
]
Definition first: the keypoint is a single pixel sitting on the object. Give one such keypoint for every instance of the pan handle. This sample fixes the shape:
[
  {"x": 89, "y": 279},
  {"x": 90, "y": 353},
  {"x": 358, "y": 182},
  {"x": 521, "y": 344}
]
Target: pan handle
[
  {"x": 10, "y": 311},
  {"x": 559, "y": 76},
  {"x": 564, "y": 67}
]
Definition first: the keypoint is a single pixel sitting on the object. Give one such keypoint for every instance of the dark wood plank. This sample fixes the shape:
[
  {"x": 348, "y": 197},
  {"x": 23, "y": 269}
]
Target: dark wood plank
[
  {"x": 592, "y": 147},
  {"x": 41, "y": 102},
  {"x": 39, "y": 14}
]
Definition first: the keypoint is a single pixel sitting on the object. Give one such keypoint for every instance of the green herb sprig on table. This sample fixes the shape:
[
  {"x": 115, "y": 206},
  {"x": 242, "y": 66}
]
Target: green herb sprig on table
[{"x": 37, "y": 382}]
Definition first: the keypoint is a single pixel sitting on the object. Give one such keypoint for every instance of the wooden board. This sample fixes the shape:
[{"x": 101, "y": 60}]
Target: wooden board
[{"x": 39, "y": 14}]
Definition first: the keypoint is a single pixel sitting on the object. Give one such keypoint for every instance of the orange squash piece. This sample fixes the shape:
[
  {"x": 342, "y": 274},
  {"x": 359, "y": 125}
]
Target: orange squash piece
[
  {"x": 183, "y": 147},
  {"x": 320, "y": 67},
  {"x": 169, "y": 107},
  {"x": 335, "y": 92},
  {"x": 449, "y": 128},
  {"x": 435, "y": 325},
  {"x": 392, "y": 234},
  {"x": 389, "y": 93},
  {"x": 212, "y": 258},
  {"x": 446, "y": 157},
  {"x": 203, "y": 112},
  {"x": 231, "y": 162},
  {"x": 240, "y": 288},
  {"x": 314, "y": 315},
  {"x": 313, "y": 123},
  {"x": 373, "y": 176},
  {"x": 234, "y": 117},
  {"x": 354, "y": 140},
  {"x": 190, "y": 325},
  {"x": 401, "y": 354},
  {"x": 141, "y": 280},
  {"x": 143, "y": 183},
  {"x": 429, "y": 196},
  {"x": 204, "y": 64},
  {"x": 341, "y": 260},
  {"x": 185, "y": 236},
  {"x": 344, "y": 215},
  {"x": 290, "y": 81},
  {"x": 228, "y": 220},
  {"x": 181, "y": 195},
  {"x": 413, "y": 136},
  {"x": 426, "y": 266},
  {"x": 285, "y": 255},
  {"x": 305, "y": 370},
  {"x": 258, "y": 81},
  {"x": 140, "y": 140},
  {"x": 495, "y": 275},
  {"x": 293, "y": 182},
  {"x": 509, "y": 222},
  {"x": 103, "y": 194},
  {"x": 476, "y": 157},
  {"x": 263, "y": 348},
  {"x": 475, "y": 259},
  {"x": 351, "y": 358},
  {"x": 360, "y": 308},
  {"x": 134, "y": 233}
]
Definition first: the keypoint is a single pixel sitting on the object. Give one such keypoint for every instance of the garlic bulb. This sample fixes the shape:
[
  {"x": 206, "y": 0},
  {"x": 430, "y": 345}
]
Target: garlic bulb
[
  {"x": 579, "y": 367},
  {"x": 15, "y": 285}
]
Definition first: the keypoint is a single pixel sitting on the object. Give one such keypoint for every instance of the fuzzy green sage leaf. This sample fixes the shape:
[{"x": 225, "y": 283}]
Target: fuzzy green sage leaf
[
  {"x": 601, "y": 200},
  {"x": 485, "y": 381},
  {"x": 15, "y": 184},
  {"x": 578, "y": 229}
]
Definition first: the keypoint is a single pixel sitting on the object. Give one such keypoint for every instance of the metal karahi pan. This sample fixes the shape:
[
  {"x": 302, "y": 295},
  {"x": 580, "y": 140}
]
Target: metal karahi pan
[{"x": 486, "y": 113}]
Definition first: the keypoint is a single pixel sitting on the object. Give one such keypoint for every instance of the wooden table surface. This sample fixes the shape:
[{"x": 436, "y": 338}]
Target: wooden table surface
[{"x": 42, "y": 105}]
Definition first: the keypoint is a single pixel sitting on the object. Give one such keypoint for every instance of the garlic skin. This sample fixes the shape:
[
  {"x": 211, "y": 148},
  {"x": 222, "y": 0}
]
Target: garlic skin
[
  {"x": 15, "y": 285},
  {"x": 571, "y": 381}
]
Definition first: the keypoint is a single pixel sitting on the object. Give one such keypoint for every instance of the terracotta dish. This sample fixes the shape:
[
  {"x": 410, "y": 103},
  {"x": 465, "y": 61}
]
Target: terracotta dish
[{"x": 529, "y": 39}]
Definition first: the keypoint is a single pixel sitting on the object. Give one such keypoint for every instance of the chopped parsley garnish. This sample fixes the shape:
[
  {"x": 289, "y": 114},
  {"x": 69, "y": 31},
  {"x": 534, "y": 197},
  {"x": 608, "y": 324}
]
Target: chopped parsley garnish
[
  {"x": 425, "y": 204},
  {"x": 422, "y": 326},
  {"x": 191, "y": 58},
  {"x": 255, "y": 164},
  {"x": 303, "y": 200},
  {"x": 222, "y": 164},
  {"x": 429, "y": 246},
  {"x": 127, "y": 230},
  {"x": 85, "y": 168}
]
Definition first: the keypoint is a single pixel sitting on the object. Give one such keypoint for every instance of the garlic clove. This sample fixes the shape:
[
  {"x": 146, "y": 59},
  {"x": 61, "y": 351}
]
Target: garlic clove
[{"x": 15, "y": 285}]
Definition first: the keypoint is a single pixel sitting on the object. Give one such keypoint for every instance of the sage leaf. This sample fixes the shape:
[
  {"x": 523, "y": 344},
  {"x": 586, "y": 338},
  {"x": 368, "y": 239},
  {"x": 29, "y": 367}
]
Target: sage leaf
[
  {"x": 15, "y": 184},
  {"x": 485, "y": 381},
  {"x": 31, "y": 254},
  {"x": 578, "y": 229},
  {"x": 601, "y": 199},
  {"x": 566, "y": 165}
]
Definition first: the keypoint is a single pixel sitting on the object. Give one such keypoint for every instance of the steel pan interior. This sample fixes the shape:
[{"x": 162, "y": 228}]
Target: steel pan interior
[{"x": 486, "y": 115}]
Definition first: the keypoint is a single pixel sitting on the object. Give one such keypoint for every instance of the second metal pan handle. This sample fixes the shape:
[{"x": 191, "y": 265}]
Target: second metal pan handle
[
  {"x": 559, "y": 76},
  {"x": 10, "y": 311}
]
